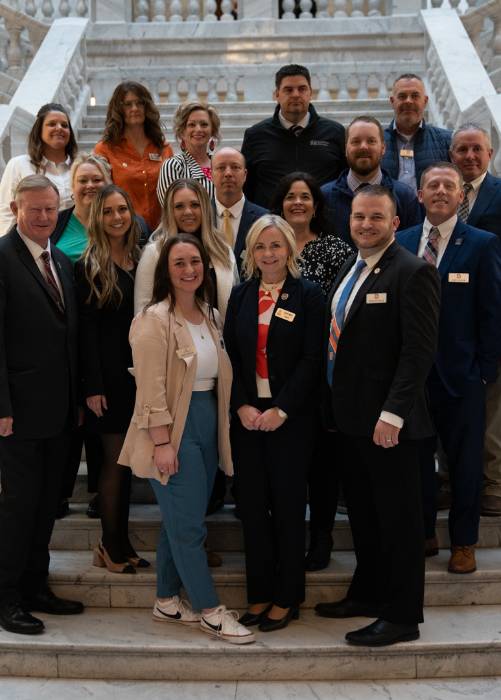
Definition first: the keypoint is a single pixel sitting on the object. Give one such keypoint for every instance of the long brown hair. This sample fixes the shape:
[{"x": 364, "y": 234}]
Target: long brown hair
[
  {"x": 162, "y": 283},
  {"x": 35, "y": 143},
  {"x": 100, "y": 271},
  {"x": 115, "y": 124}
]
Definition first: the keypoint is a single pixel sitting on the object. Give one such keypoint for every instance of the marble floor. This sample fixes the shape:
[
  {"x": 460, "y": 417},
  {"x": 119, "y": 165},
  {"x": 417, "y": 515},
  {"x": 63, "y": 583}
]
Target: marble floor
[{"x": 41, "y": 689}]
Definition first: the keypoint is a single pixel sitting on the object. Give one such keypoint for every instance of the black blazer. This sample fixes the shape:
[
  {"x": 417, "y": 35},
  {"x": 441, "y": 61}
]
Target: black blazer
[
  {"x": 385, "y": 350},
  {"x": 293, "y": 347},
  {"x": 486, "y": 211},
  {"x": 38, "y": 344},
  {"x": 250, "y": 213}
]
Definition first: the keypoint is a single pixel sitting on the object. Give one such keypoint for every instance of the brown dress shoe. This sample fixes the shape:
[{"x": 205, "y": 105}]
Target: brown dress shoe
[
  {"x": 462, "y": 560},
  {"x": 490, "y": 506}
]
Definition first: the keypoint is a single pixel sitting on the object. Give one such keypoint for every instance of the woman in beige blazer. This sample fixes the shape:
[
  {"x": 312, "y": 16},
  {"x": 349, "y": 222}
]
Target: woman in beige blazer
[{"x": 179, "y": 433}]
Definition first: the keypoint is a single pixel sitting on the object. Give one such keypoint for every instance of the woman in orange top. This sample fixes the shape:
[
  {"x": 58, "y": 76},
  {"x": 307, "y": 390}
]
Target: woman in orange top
[{"x": 134, "y": 145}]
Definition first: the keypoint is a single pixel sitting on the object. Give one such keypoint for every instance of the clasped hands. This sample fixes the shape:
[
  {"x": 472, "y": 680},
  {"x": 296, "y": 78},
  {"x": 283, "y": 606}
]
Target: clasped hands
[{"x": 253, "y": 419}]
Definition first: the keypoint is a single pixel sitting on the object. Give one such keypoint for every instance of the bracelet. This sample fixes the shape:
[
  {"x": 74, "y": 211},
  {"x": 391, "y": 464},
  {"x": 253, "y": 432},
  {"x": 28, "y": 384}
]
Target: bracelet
[{"x": 161, "y": 444}]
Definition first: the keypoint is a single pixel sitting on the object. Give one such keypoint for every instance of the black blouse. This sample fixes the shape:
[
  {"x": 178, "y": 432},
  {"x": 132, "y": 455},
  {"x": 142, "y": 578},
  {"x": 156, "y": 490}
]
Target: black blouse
[{"x": 322, "y": 258}]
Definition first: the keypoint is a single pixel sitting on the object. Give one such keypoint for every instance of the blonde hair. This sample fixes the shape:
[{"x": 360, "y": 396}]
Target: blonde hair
[
  {"x": 182, "y": 115},
  {"x": 100, "y": 271},
  {"x": 212, "y": 239},
  {"x": 92, "y": 159},
  {"x": 250, "y": 268}
]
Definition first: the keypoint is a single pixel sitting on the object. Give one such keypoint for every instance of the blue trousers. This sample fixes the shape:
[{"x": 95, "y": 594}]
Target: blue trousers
[{"x": 181, "y": 557}]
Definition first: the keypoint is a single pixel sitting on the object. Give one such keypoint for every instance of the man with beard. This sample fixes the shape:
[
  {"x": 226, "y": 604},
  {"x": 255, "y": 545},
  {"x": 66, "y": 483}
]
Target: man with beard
[
  {"x": 365, "y": 148},
  {"x": 411, "y": 144}
]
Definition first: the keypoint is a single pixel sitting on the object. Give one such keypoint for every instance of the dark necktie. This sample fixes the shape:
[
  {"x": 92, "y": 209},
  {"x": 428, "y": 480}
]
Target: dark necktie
[
  {"x": 51, "y": 281},
  {"x": 430, "y": 252},
  {"x": 464, "y": 207},
  {"x": 296, "y": 130}
]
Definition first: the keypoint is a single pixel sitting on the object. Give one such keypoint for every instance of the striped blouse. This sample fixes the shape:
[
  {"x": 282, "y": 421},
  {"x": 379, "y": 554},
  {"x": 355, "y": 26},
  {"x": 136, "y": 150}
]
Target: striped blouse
[{"x": 180, "y": 167}]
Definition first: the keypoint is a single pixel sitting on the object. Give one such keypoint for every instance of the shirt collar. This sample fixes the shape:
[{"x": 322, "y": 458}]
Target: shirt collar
[
  {"x": 287, "y": 124},
  {"x": 445, "y": 228},
  {"x": 404, "y": 137},
  {"x": 373, "y": 260},
  {"x": 236, "y": 209},
  {"x": 35, "y": 249},
  {"x": 477, "y": 181},
  {"x": 354, "y": 182},
  {"x": 45, "y": 161}
]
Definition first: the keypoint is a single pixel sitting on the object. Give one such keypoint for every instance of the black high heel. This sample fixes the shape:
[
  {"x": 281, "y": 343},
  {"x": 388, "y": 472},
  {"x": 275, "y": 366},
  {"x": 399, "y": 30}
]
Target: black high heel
[
  {"x": 269, "y": 625},
  {"x": 249, "y": 619}
]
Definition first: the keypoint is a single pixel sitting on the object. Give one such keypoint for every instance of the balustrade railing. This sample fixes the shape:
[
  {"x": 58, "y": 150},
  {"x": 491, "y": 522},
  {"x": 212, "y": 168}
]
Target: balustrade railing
[
  {"x": 483, "y": 25},
  {"x": 22, "y": 38},
  {"x": 49, "y": 10}
]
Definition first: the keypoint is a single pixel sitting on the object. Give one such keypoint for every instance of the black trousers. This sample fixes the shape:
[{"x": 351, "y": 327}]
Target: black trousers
[
  {"x": 383, "y": 495},
  {"x": 271, "y": 473},
  {"x": 323, "y": 482},
  {"x": 94, "y": 455},
  {"x": 31, "y": 473}
]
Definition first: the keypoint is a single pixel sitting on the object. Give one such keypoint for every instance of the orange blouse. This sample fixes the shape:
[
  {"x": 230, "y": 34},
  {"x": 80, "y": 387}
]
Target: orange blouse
[{"x": 137, "y": 174}]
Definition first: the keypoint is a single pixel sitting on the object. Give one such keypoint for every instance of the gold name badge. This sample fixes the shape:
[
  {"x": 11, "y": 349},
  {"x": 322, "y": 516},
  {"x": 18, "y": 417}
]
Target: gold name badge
[
  {"x": 407, "y": 152},
  {"x": 461, "y": 277},
  {"x": 286, "y": 315},
  {"x": 183, "y": 353},
  {"x": 154, "y": 156},
  {"x": 377, "y": 298}
]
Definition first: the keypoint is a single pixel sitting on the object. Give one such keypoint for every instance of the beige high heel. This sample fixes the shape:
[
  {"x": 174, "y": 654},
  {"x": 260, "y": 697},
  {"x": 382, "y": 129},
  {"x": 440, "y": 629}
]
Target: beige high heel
[{"x": 103, "y": 561}]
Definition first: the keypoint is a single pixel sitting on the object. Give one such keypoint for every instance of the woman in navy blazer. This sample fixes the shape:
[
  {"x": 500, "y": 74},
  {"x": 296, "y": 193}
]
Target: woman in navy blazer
[{"x": 273, "y": 334}]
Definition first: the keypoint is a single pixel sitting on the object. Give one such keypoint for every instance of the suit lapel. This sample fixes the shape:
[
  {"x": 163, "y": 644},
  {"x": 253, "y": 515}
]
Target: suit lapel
[
  {"x": 286, "y": 300},
  {"x": 242, "y": 231},
  {"x": 484, "y": 197},
  {"x": 27, "y": 259},
  {"x": 66, "y": 281},
  {"x": 414, "y": 239},
  {"x": 453, "y": 248}
]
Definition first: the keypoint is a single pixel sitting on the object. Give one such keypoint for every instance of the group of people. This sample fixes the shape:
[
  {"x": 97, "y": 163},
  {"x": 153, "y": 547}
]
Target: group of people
[{"x": 309, "y": 313}]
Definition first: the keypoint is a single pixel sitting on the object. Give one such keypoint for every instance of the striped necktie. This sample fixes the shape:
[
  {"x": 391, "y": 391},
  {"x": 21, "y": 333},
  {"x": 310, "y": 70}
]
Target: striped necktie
[
  {"x": 51, "y": 281},
  {"x": 338, "y": 319},
  {"x": 430, "y": 252},
  {"x": 464, "y": 207}
]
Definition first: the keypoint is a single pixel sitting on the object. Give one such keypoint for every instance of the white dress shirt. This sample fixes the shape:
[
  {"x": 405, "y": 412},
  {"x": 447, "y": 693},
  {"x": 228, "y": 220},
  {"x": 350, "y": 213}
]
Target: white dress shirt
[
  {"x": 288, "y": 125},
  {"x": 236, "y": 215},
  {"x": 36, "y": 251},
  {"x": 473, "y": 193},
  {"x": 371, "y": 263},
  {"x": 445, "y": 229}
]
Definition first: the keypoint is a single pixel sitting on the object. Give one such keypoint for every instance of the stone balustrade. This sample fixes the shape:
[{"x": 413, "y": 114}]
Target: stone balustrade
[
  {"x": 57, "y": 74},
  {"x": 47, "y": 10},
  {"x": 483, "y": 25},
  {"x": 23, "y": 38},
  {"x": 459, "y": 87}
]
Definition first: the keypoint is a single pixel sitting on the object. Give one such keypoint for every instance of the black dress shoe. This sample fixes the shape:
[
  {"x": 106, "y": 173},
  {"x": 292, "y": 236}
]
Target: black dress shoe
[
  {"x": 14, "y": 618},
  {"x": 382, "y": 633},
  {"x": 269, "y": 625},
  {"x": 346, "y": 608},
  {"x": 46, "y": 601},
  {"x": 319, "y": 554},
  {"x": 63, "y": 509},
  {"x": 93, "y": 507},
  {"x": 249, "y": 619}
]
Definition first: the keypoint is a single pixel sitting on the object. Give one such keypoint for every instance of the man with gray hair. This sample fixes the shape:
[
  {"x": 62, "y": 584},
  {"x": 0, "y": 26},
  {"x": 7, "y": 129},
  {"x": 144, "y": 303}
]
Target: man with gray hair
[
  {"x": 38, "y": 388},
  {"x": 471, "y": 152}
]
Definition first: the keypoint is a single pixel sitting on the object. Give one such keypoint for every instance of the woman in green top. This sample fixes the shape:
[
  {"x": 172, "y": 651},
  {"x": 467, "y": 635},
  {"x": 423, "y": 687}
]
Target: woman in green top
[{"x": 89, "y": 174}]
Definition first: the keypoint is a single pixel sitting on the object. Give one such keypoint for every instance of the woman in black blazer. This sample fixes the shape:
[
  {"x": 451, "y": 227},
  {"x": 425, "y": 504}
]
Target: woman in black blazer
[{"x": 273, "y": 334}]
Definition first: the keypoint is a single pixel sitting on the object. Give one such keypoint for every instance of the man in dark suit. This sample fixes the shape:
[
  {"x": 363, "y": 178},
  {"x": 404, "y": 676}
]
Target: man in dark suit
[
  {"x": 296, "y": 137},
  {"x": 37, "y": 402},
  {"x": 471, "y": 152},
  {"x": 469, "y": 263},
  {"x": 365, "y": 148},
  {"x": 382, "y": 323},
  {"x": 235, "y": 214}
]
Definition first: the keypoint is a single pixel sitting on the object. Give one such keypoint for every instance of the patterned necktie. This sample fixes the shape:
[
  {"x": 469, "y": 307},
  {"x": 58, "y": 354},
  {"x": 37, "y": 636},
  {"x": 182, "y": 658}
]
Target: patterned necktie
[
  {"x": 296, "y": 130},
  {"x": 430, "y": 252},
  {"x": 464, "y": 207},
  {"x": 227, "y": 227},
  {"x": 337, "y": 322},
  {"x": 51, "y": 281}
]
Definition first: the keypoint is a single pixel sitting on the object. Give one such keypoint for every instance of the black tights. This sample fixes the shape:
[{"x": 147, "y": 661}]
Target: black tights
[{"x": 114, "y": 496}]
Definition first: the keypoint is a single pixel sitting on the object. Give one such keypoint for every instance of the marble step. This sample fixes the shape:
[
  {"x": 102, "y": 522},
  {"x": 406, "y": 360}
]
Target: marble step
[
  {"x": 78, "y": 532},
  {"x": 118, "y": 644},
  {"x": 73, "y": 576}
]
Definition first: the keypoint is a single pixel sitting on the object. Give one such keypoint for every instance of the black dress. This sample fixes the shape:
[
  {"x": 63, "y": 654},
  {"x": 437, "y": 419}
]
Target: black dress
[{"x": 105, "y": 353}]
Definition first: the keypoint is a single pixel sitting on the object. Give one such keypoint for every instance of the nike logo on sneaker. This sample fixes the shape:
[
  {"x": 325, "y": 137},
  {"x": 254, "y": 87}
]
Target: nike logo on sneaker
[
  {"x": 216, "y": 628},
  {"x": 176, "y": 616}
]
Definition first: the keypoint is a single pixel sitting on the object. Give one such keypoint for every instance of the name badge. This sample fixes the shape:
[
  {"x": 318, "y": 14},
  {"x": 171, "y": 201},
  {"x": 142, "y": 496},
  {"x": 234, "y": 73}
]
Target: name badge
[
  {"x": 377, "y": 298},
  {"x": 407, "y": 153},
  {"x": 183, "y": 353},
  {"x": 461, "y": 277},
  {"x": 286, "y": 315},
  {"x": 154, "y": 156}
]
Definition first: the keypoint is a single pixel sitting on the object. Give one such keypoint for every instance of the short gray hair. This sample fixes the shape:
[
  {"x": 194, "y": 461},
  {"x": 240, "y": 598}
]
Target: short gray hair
[
  {"x": 34, "y": 182},
  {"x": 470, "y": 126}
]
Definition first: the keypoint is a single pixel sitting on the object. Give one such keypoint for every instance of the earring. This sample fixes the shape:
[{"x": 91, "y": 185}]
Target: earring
[{"x": 212, "y": 144}]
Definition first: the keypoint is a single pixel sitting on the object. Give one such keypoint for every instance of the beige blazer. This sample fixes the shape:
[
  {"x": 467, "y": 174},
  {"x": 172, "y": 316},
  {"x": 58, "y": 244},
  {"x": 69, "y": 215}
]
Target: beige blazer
[{"x": 165, "y": 365}]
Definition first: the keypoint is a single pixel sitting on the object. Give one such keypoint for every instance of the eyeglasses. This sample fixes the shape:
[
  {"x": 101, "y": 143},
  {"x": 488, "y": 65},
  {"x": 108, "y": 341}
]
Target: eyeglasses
[{"x": 132, "y": 103}]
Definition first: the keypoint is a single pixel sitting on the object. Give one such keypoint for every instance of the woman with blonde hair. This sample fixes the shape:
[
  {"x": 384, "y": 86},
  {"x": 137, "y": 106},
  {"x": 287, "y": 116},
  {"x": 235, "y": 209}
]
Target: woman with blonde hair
[
  {"x": 134, "y": 145},
  {"x": 273, "y": 335},
  {"x": 187, "y": 209},
  {"x": 196, "y": 126},
  {"x": 105, "y": 289}
]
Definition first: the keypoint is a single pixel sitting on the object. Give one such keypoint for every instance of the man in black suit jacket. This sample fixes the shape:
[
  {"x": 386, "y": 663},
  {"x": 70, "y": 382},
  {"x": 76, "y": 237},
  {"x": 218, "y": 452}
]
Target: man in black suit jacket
[
  {"x": 229, "y": 174},
  {"x": 382, "y": 322},
  {"x": 471, "y": 152},
  {"x": 37, "y": 402}
]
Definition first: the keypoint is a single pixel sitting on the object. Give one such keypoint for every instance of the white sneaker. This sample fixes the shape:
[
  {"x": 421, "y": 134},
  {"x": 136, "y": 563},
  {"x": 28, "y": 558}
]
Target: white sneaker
[
  {"x": 224, "y": 624},
  {"x": 175, "y": 610}
]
